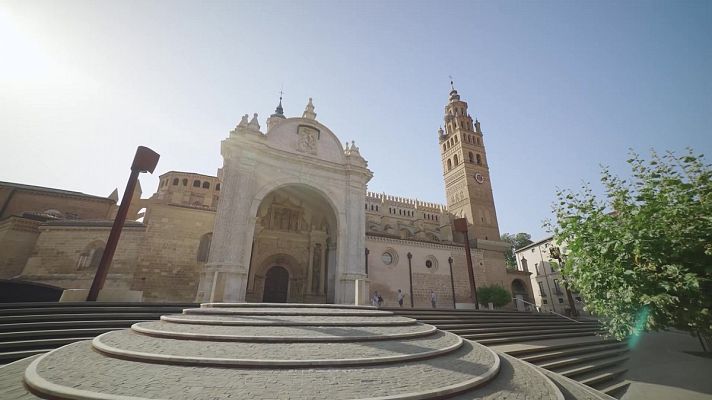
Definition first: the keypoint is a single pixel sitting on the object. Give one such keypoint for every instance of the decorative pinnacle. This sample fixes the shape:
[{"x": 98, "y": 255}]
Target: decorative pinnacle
[
  {"x": 279, "y": 111},
  {"x": 309, "y": 111}
]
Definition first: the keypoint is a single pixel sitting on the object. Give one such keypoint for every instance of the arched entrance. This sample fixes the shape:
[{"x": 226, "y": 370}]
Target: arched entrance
[
  {"x": 295, "y": 229},
  {"x": 519, "y": 291},
  {"x": 276, "y": 285}
]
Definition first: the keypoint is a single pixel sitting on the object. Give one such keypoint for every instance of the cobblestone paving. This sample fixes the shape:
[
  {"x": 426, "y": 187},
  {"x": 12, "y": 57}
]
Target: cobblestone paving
[
  {"x": 76, "y": 367},
  {"x": 288, "y": 320},
  {"x": 11, "y": 386},
  {"x": 516, "y": 381},
  {"x": 133, "y": 342},
  {"x": 307, "y": 332},
  {"x": 288, "y": 311}
]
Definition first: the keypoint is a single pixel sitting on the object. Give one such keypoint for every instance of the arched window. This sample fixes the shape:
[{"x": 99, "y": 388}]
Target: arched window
[
  {"x": 444, "y": 146},
  {"x": 472, "y": 157},
  {"x": 449, "y": 164},
  {"x": 525, "y": 267},
  {"x": 454, "y": 159},
  {"x": 175, "y": 181},
  {"x": 457, "y": 140},
  {"x": 479, "y": 159},
  {"x": 217, "y": 187},
  {"x": 204, "y": 247},
  {"x": 185, "y": 182},
  {"x": 196, "y": 183},
  {"x": 91, "y": 256},
  {"x": 206, "y": 185}
]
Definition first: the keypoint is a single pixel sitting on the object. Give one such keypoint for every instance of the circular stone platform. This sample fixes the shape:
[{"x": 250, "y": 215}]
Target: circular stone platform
[{"x": 286, "y": 352}]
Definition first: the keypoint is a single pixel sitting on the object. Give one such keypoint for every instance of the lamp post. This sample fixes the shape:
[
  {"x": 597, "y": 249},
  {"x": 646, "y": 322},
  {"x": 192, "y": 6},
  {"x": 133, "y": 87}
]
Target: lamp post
[
  {"x": 556, "y": 253},
  {"x": 367, "y": 253},
  {"x": 145, "y": 160},
  {"x": 452, "y": 283},
  {"x": 461, "y": 226},
  {"x": 410, "y": 277}
]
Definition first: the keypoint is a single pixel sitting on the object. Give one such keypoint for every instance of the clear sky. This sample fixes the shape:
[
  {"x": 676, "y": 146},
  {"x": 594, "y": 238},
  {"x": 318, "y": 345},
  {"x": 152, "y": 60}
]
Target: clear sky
[{"x": 560, "y": 87}]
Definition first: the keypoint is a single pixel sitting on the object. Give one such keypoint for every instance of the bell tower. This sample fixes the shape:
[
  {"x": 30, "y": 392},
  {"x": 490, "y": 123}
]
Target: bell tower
[{"x": 467, "y": 180}]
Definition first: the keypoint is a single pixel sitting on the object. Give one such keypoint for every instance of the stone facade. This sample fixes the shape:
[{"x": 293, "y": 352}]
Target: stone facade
[
  {"x": 67, "y": 253},
  {"x": 287, "y": 218},
  {"x": 546, "y": 281}
]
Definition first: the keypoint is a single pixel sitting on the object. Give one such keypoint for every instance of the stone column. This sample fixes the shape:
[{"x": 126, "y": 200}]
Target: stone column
[
  {"x": 310, "y": 262},
  {"x": 225, "y": 277},
  {"x": 322, "y": 268}
]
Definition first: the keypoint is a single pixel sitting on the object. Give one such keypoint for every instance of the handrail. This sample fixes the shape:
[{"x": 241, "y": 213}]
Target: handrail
[{"x": 553, "y": 312}]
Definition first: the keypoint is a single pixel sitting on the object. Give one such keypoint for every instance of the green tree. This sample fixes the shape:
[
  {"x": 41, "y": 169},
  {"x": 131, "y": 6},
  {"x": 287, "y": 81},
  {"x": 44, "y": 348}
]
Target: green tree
[
  {"x": 642, "y": 254},
  {"x": 517, "y": 241},
  {"x": 497, "y": 295}
]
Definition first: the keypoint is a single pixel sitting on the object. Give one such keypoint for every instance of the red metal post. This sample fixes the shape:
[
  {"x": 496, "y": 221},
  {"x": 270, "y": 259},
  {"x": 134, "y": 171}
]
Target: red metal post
[{"x": 145, "y": 160}]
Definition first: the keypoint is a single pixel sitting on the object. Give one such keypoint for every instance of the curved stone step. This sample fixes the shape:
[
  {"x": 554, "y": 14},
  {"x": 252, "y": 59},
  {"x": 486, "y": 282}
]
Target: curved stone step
[
  {"x": 286, "y": 305},
  {"x": 516, "y": 380},
  {"x": 323, "y": 311},
  {"x": 281, "y": 333},
  {"x": 91, "y": 375},
  {"x": 133, "y": 346},
  {"x": 287, "y": 320}
]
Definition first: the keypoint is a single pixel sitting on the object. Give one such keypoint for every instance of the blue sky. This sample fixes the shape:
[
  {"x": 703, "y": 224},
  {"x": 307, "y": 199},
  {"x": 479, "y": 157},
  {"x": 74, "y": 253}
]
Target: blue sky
[{"x": 560, "y": 87}]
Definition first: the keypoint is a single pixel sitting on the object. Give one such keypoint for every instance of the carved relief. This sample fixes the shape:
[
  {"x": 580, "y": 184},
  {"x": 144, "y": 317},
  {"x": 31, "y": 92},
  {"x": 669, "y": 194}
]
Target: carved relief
[{"x": 306, "y": 143}]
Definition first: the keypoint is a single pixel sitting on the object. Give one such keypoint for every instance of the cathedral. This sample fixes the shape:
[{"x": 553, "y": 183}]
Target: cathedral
[{"x": 288, "y": 218}]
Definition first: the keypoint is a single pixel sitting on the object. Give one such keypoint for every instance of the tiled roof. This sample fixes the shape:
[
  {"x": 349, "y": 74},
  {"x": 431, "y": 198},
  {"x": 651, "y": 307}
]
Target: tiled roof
[{"x": 50, "y": 190}]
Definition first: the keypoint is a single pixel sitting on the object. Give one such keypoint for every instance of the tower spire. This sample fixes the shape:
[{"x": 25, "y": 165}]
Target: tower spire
[{"x": 279, "y": 111}]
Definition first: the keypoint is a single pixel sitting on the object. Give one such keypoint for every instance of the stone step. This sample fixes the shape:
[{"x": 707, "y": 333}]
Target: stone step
[
  {"x": 615, "y": 389},
  {"x": 594, "y": 365},
  {"x": 510, "y": 339},
  {"x": 55, "y": 304},
  {"x": 11, "y": 385},
  {"x": 74, "y": 317},
  {"x": 9, "y": 356},
  {"x": 287, "y": 320},
  {"x": 571, "y": 350},
  {"x": 573, "y": 390},
  {"x": 553, "y": 345},
  {"x": 466, "y": 325},
  {"x": 558, "y": 364},
  {"x": 88, "y": 310},
  {"x": 92, "y": 375},
  {"x": 485, "y": 317},
  {"x": 515, "y": 380},
  {"x": 539, "y": 331},
  {"x": 281, "y": 306},
  {"x": 485, "y": 329},
  {"x": 46, "y": 344},
  {"x": 132, "y": 346},
  {"x": 596, "y": 379},
  {"x": 54, "y": 333},
  {"x": 280, "y": 333},
  {"x": 6, "y": 329},
  {"x": 315, "y": 311}
]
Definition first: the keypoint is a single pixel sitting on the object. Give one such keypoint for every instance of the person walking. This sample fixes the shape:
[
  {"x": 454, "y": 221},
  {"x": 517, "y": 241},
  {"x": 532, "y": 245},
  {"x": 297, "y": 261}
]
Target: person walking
[
  {"x": 400, "y": 298},
  {"x": 433, "y": 298}
]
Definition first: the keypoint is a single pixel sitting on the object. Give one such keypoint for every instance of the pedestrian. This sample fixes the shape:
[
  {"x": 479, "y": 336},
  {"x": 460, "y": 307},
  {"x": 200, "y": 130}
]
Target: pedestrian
[
  {"x": 374, "y": 299},
  {"x": 400, "y": 298},
  {"x": 380, "y": 301},
  {"x": 433, "y": 298}
]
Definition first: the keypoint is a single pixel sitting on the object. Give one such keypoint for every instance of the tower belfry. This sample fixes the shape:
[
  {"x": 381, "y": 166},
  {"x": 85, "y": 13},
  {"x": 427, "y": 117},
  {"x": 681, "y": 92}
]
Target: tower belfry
[{"x": 467, "y": 180}]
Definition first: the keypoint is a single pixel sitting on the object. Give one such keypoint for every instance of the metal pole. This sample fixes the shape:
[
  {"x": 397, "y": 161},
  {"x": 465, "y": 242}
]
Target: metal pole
[
  {"x": 470, "y": 269},
  {"x": 113, "y": 240},
  {"x": 410, "y": 277},
  {"x": 452, "y": 283},
  {"x": 145, "y": 160}
]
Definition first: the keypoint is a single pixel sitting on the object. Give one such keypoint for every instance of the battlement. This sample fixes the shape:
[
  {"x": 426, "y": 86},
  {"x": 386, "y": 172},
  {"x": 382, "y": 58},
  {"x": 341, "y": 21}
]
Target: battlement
[{"x": 405, "y": 202}]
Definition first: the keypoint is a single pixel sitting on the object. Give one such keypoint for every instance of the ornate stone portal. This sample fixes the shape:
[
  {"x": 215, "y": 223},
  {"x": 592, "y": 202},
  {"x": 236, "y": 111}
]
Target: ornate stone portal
[{"x": 291, "y": 198}]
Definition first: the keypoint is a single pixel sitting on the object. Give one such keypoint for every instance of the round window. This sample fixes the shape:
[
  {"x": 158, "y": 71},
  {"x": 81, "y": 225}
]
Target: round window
[
  {"x": 387, "y": 258},
  {"x": 428, "y": 264}
]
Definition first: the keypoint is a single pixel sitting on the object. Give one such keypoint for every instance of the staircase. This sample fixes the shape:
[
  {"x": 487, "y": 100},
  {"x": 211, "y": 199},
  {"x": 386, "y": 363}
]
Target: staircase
[
  {"x": 27, "y": 329},
  {"x": 268, "y": 351},
  {"x": 570, "y": 348},
  {"x": 567, "y": 347}
]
